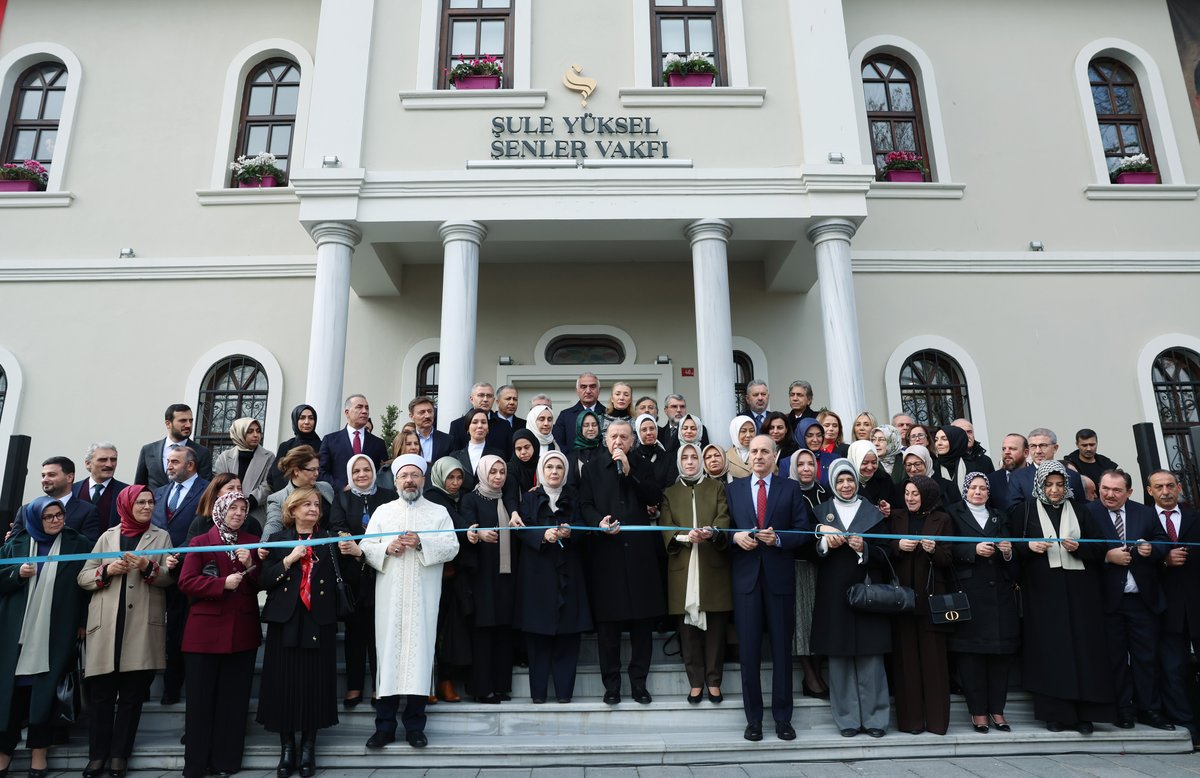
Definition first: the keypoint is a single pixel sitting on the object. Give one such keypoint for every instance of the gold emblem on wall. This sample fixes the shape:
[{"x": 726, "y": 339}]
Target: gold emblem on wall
[{"x": 577, "y": 83}]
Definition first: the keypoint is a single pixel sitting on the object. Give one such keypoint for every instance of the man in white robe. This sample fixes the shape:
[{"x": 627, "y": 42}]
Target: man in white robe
[{"x": 408, "y": 587}]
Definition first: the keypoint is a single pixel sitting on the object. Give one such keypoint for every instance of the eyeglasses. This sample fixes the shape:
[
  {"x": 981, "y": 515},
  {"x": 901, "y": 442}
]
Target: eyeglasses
[
  {"x": 311, "y": 469},
  {"x": 1040, "y": 446}
]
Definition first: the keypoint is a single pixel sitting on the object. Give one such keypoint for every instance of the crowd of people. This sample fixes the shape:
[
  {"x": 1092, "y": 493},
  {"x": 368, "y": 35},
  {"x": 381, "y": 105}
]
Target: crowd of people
[{"x": 451, "y": 557}]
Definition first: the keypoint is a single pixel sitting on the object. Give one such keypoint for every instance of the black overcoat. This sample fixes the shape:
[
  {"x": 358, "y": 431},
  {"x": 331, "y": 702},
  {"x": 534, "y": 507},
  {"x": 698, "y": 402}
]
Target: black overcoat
[
  {"x": 838, "y": 629},
  {"x": 493, "y": 593},
  {"x": 552, "y": 594},
  {"x": 989, "y": 583}
]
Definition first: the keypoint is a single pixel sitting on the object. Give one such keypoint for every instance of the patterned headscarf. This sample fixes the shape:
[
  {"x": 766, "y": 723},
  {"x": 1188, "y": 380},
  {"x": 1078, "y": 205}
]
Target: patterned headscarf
[
  {"x": 971, "y": 476},
  {"x": 836, "y": 468},
  {"x": 1045, "y": 470},
  {"x": 894, "y": 443},
  {"x": 220, "y": 510}
]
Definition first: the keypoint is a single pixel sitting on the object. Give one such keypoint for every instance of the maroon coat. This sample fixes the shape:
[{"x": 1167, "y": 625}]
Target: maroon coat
[{"x": 219, "y": 621}]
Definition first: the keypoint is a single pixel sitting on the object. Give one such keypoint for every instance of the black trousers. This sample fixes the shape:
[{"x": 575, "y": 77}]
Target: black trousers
[
  {"x": 413, "y": 717},
  {"x": 556, "y": 655},
  {"x": 984, "y": 679},
  {"x": 359, "y": 646},
  {"x": 777, "y": 614},
  {"x": 491, "y": 670},
  {"x": 218, "y": 699},
  {"x": 703, "y": 650},
  {"x": 641, "y": 640},
  {"x": 1174, "y": 680},
  {"x": 1132, "y": 634},
  {"x": 114, "y": 710},
  {"x": 38, "y": 736},
  {"x": 177, "y": 608}
]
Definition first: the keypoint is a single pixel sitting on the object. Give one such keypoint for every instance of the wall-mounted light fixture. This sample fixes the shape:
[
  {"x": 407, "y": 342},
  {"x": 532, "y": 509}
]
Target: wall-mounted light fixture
[
  {"x": 127, "y": 254},
  {"x": 330, "y": 161}
]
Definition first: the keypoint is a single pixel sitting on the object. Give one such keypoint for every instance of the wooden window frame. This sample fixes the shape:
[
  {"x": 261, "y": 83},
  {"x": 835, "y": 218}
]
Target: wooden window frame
[
  {"x": 15, "y": 125},
  {"x": 423, "y": 387},
  {"x": 744, "y": 364},
  {"x": 450, "y": 15},
  {"x": 916, "y": 115},
  {"x": 1117, "y": 119},
  {"x": 1177, "y": 433},
  {"x": 958, "y": 392},
  {"x": 219, "y": 440},
  {"x": 715, "y": 12},
  {"x": 246, "y": 121}
]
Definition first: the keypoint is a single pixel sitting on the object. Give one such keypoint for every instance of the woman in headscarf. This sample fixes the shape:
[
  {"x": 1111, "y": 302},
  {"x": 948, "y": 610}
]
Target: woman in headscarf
[
  {"x": 716, "y": 466},
  {"x": 620, "y": 404},
  {"x": 875, "y": 486},
  {"x": 41, "y": 608},
  {"x": 778, "y": 427},
  {"x": 698, "y": 570},
  {"x": 220, "y": 641},
  {"x": 304, "y": 425},
  {"x": 522, "y": 467},
  {"x": 737, "y": 456},
  {"x": 351, "y": 513},
  {"x": 302, "y": 467},
  {"x": 588, "y": 443},
  {"x": 917, "y": 461},
  {"x": 691, "y": 430},
  {"x": 541, "y": 422},
  {"x": 126, "y": 637},
  {"x": 489, "y": 560},
  {"x": 453, "y": 647},
  {"x": 886, "y": 440},
  {"x": 651, "y": 449},
  {"x": 252, "y": 463},
  {"x": 855, "y": 641},
  {"x": 919, "y": 660},
  {"x": 223, "y": 483},
  {"x": 476, "y": 423},
  {"x": 835, "y": 435},
  {"x": 950, "y": 448},
  {"x": 298, "y": 689},
  {"x": 810, "y": 435},
  {"x": 802, "y": 469},
  {"x": 1066, "y": 666},
  {"x": 984, "y": 646},
  {"x": 552, "y": 600},
  {"x": 864, "y": 423}
]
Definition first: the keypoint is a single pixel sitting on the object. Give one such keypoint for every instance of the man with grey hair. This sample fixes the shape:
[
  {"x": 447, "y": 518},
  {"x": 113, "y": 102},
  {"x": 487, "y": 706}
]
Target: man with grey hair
[
  {"x": 800, "y": 397},
  {"x": 540, "y": 399},
  {"x": 903, "y": 422},
  {"x": 100, "y": 488},
  {"x": 354, "y": 438},
  {"x": 976, "y": 458},
  {"x": 757, "y": 399},
  {"x": 587, "y": 389},
  {"x": 1043, "y": 445},
  {"x": 482, "y": 397},
  {"x": 668, "y": 434}
]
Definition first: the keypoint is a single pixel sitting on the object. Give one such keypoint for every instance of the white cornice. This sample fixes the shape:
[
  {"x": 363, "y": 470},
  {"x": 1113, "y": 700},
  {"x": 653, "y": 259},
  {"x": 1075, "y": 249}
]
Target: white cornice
[
  {"x": 143, "y": 269},
  {"x": 247, "y": 196},
  {"x": 35, "y": 199},
  {"x": 693, "y": 97},
  {"x": 867, "y": 261},
  {"x": 466, "y": 99},
  {"x": 1141, "y": 191}
]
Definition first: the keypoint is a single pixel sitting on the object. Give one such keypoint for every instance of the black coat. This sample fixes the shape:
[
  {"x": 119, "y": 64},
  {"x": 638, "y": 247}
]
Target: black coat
[
  {"x": 625, "y": 570},
  {"x": 283, "y": 585},
  {"x": 464, "y": 457},
  {"x": 838, "y": 629},
  {"x": 989, "y": 583},
  {"x": 70, "y": 613},
  {"x": 661, "y": 463},
  {"x": 1182, "y": 583},
  {"x": 879, "y": 487},
  {"x": 552, "y": 596},
  {"x": 493, "y": 593},
  {"x": 350, "y": 513},
  {"x": 456, "y": 605}
]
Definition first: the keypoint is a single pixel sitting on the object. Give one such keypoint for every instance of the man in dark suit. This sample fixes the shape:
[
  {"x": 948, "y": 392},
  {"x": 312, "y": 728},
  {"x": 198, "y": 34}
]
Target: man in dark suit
[
  {"x": 174, "y": 508},
  {"x": 1181, "y": 583},
  {"x": 587, "y": 389},
  {"x": 1013, "y": 453},
  {"x": 505, "y": 420},
  {"x": 668, "y": 434},
  {"x": 435, "y": 444},
  {"x": 338, "y": 447},
  {"x": 500, "y": 431},
  {"x": 58, "y": 475},
  {"x": 152, "y": 460},
  {"x": 764, "y": 582},
  {"x": 1043, "y": 445},
  {"x": 100, "y": 488},
  {"x": 758, "y": 397},
  {"x": 1133, "y": 599},
  {"x": 800, "y": 397}
]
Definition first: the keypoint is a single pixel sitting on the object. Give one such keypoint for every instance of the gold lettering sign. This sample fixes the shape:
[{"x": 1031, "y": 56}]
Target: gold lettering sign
[{"x": 578, "y": 83}]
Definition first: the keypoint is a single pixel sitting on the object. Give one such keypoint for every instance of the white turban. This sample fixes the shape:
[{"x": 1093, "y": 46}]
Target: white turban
[{"x": 404, "y": 460}]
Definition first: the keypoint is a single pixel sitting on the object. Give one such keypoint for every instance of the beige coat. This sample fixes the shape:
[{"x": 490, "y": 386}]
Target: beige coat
[{"x": 143, "y": 644}]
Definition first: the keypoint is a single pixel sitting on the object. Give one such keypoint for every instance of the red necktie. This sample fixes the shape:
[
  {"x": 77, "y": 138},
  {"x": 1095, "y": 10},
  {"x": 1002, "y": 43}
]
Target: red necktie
[
  {"x": 1171, "y": 532},
  {"x": 305, "y": 576},
  {"x": 357, "y": 443},
  {"x": 762, "y": 503}
]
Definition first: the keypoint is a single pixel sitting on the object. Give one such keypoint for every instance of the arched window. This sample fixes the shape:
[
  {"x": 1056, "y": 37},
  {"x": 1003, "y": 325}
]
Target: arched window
[
  {"x": 1120, "y": 112},
  {"x": 893, "y": 108},
  {"x": 232, "y": 388},
  {"x": 268, "y": 118},
  {"x": 743, "y": 373},
  {"x": 585, "y": 350},
  {"x": 427, "y": 375},
  {"x": 1176, "y": 379},
  {"x": 36, "y": 109},
  {"x": 933, "y": 389},
  {"x": 3, "y": 390}
]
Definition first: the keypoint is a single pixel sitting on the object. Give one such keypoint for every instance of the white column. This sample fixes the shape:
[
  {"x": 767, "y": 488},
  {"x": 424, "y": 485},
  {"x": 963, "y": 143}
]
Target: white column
[
  {"x": 460, "y": 298},
  {"x": 331, "y": 309},
  {"x": 714, "y": 333},
  {"x": 839, "y": 317}
]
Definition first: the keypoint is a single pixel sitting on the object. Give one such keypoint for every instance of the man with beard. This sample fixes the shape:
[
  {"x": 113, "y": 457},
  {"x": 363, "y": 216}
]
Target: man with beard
[{"x": 1013, "y": 452}]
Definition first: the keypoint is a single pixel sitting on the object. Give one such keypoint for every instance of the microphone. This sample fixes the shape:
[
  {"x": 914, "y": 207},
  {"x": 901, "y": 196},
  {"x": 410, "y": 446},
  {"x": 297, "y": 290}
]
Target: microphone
[{"x": 620, "y": 467}]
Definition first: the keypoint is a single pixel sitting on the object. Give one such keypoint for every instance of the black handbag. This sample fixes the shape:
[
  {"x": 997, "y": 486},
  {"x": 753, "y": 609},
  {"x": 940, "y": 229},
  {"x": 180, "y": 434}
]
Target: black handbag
[
  {"x": 345, "y": 595},
  {"x": 885, "y": 598},
  {"x": 949, "y": 608},
  {"x": 68, "y": 699}
]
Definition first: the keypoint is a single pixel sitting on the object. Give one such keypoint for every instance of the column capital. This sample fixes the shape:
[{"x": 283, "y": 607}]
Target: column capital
[
  {"x": 831, "y": 229},
  {"x": 462, "y": 230},
  {"x": 708, "y": 229},
  {"x": 336, "y": 232}
]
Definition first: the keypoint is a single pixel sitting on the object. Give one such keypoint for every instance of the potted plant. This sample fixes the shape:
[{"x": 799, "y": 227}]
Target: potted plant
[
  {"x": 257, "y": 171},
  {"x": 693, "y": 70},
  {"x": 903, "y": 166},
  {"x": 1134, "y": 170},
  {"x": 477, "y": 73},
  {"x": 27, "y": 176}
]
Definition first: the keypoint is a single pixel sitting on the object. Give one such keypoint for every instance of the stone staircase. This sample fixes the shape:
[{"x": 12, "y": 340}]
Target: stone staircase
[{"x": 588, "y": 732}]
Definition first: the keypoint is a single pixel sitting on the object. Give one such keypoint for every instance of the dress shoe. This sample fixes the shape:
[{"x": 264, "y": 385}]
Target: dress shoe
[
  {"x": 538, "y": 700},
  {"x": 642, "y": 696},
  {"x": 504, "y": 697},
  {"x": 696, "y": 698},
  {"x": 563, "y": 700},
  {"x": 980, "y": 728},
  {"x": 350, "y": 703},
  {"x": 818, "y": 695},
  {"x": 118, "y": 768},
  {"x": 445, "y": 691},
  {"x": 170, "y": 699},
  {"x": 876, "y": 732},
  {"x": 417, "y": 739},
  {"x": 94, "y": 768},
  {"x": 308, "y": 755},
  {"x": 1125, "y": 722},
  {"x": 612, "y": 698},
  {"x": 491, "y": 699},
  {"x": 784, "y": 730},
  {"x": 717, "y": 698},
  {"x": 380, "y": 739},
  {"x": 431, "y": 700},
  {"x": 1155, "y": 719},
  {"x": 849, "y": 732},
  {"x": 1054, "y": 726},
  {"x": 287, "y": 755},
  {"x": 753, "y": 732},
  {"x": 1002, "y": 726},
  {"x": 1085, "y": 728},
  {"x": 38, "y": 773}
]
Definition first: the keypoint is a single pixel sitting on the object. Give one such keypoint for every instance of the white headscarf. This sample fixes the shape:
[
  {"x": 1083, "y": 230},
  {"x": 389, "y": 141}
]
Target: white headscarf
[
  {"x": 735, "y": 427},
  {"x": 531, "y": 424},
  {"x": 350, "y": 476},
  {"x": 555, "y": 492}
]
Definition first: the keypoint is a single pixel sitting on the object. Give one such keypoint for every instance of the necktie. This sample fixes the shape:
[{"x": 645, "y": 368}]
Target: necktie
[
  {"x": 761, "y": 504},
  {"x": 758, "y": 420},
  {"x": 1119, "y": 522},
  {"x": 173, "y": 500},
  {"x": 1172, "y": 533},
  {"x": 357, "y": 442},
  {"x": 97, "y": 490}
]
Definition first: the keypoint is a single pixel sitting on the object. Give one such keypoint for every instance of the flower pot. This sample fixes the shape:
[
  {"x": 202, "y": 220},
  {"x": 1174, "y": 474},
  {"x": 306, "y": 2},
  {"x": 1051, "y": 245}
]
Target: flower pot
[
  {"x": 266, "y": 182},
  {"x": 906, "y": 176},
  {"x": 477, "y": 82},
  {"x": 20, "y": 185},
  {"x": 691, "y": 79},
  {"x": 1137, "y": 178}
]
